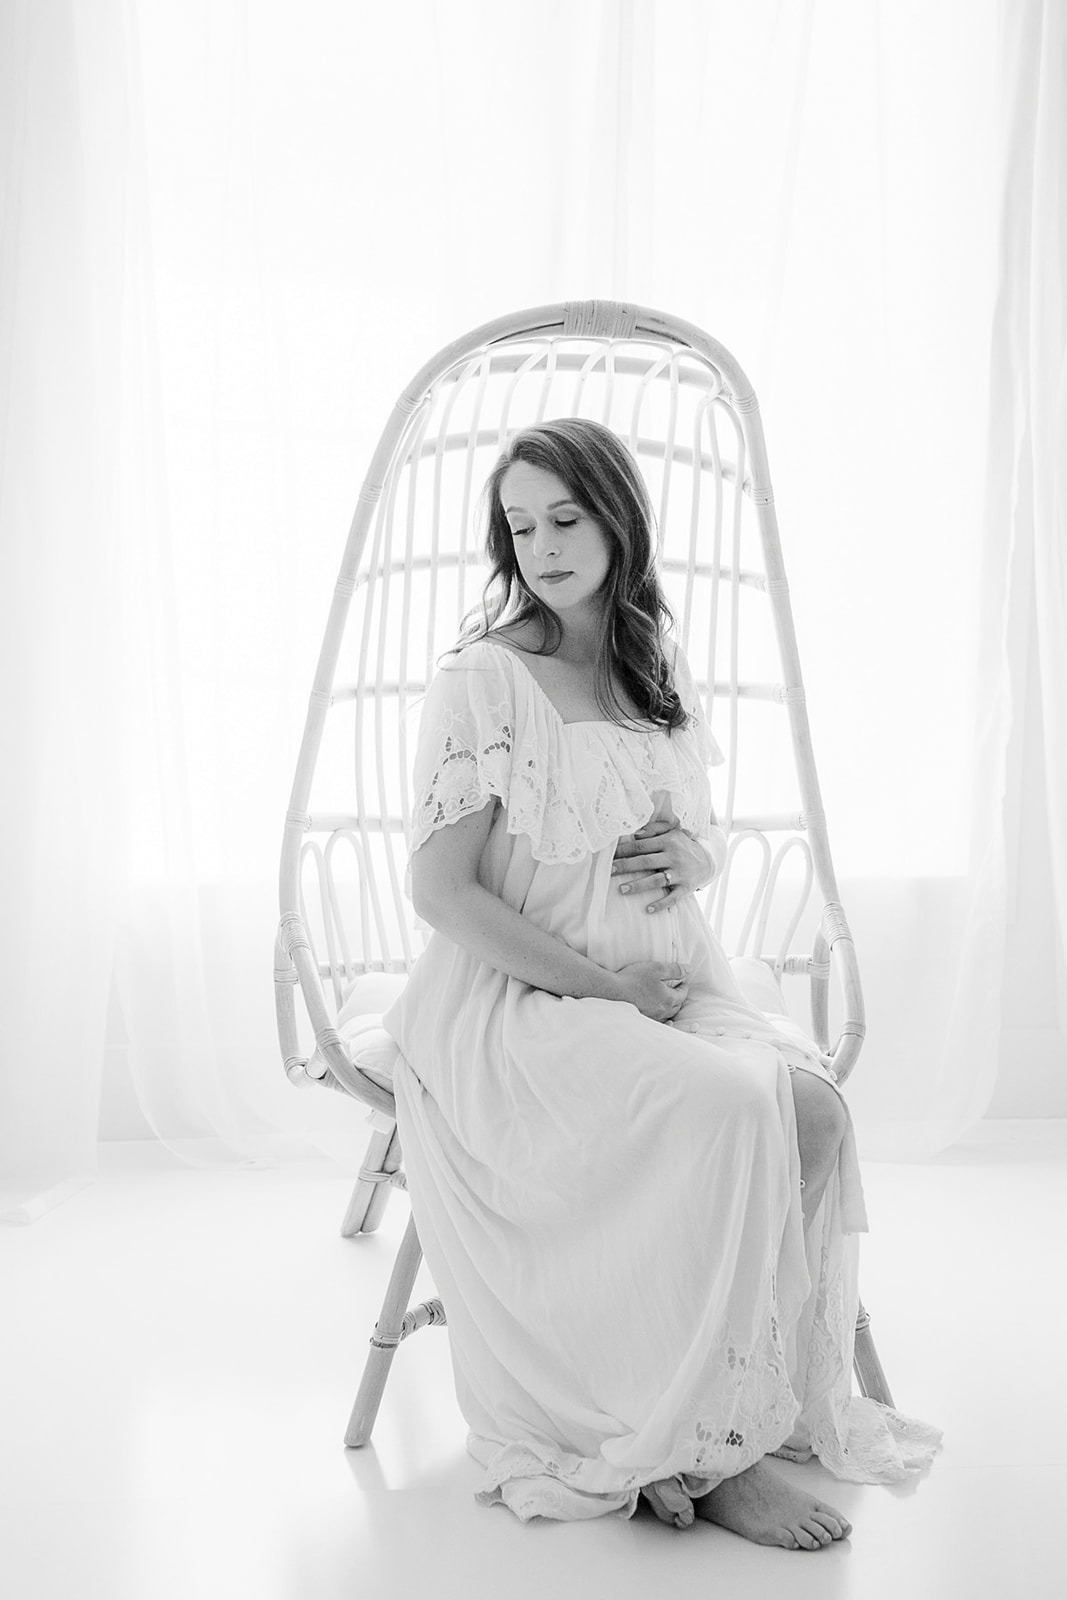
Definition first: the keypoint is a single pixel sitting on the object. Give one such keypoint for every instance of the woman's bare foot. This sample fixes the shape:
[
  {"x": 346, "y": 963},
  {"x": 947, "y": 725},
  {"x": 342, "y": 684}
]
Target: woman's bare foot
[
  {"x": 761, "y": 1506},
  {"x": 670, "y": 1502}
]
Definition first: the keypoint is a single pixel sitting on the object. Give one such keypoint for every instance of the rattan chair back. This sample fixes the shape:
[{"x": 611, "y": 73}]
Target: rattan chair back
[{"x": 413, "y": 566}]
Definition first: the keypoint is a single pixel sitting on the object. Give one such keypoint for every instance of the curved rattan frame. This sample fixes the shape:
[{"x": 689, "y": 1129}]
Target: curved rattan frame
[
  {"x": 295, "y": 961},
  {"x": 296, "y": 964}
]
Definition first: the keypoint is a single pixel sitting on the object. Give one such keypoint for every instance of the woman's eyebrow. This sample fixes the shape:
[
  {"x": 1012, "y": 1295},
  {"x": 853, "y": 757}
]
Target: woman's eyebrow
[{"x": 553, "y": 507}]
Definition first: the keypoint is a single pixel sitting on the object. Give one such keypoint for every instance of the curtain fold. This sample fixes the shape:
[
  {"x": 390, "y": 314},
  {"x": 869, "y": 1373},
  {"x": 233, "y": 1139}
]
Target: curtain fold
[
  {"x": 61, "y": 794},
  {"x": 1023, "y": 574},
  {"x": 219, "y": 264},
  {"x": 1034, "y": 330}
]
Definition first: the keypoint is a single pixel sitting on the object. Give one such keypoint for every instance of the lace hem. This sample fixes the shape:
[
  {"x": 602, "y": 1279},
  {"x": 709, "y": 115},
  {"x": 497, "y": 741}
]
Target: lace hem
[
  {"x": 857, "y": 1439},
  {"x": 753, "y": 1411},
  {"x": 882, "y": 1445}
]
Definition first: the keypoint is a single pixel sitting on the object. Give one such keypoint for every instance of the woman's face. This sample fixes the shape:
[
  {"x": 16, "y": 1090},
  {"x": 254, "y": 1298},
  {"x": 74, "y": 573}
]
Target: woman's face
[{"x": 563, "y": 553}]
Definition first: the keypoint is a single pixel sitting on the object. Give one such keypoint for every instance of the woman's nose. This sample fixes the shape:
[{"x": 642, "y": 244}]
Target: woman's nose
[{"x": 546, "y": 539}]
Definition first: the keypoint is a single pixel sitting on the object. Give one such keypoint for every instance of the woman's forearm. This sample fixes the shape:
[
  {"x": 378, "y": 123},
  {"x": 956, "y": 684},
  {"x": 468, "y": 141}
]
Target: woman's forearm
[
  {"x": 503, "y": 938},
  {"x": 713, "y": 840}
]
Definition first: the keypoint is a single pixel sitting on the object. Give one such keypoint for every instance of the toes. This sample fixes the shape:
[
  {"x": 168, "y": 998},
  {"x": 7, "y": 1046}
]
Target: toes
[
  {"x": 828, "y": 1515},
  {"x": 670, "y": 1502},
  {"x": 817, "y": 1531},
  {"x": 806, "y": 1540},
  {"x": 833, "y": 1525}
]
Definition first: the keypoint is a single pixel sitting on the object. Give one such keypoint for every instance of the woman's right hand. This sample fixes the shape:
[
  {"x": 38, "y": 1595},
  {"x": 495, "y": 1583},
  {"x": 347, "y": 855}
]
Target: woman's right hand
[{"x": 657, "y": 988}]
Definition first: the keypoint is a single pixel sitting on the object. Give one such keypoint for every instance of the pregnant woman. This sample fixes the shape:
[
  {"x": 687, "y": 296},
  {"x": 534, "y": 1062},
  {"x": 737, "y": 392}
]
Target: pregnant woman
[{"x": 637, "y": 1194}]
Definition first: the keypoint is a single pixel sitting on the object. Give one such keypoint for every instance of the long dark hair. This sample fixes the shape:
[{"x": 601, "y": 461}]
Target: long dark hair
[{"x": 603, "y": 478}]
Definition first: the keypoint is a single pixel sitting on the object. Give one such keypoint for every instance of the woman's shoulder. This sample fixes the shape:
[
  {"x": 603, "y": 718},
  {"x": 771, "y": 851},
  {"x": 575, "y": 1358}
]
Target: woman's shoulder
[
  {"x": 514, "y": 638},
  {"x": 672, "y": 649},
  {"x": 482, "y": 654},
  {"x": 690, "y": 694},
  {"x": 477, "y": 672},
  {"x": 678, "y": 663},
  {"x": 492, "y": 652}
]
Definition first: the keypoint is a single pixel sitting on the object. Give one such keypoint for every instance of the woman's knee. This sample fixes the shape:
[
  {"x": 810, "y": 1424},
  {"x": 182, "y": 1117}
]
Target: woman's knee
[
  {"x": 821, "y": 1115},
  {"x": 730, "y": 1096},
  {"x": 750, "y": 1099}
]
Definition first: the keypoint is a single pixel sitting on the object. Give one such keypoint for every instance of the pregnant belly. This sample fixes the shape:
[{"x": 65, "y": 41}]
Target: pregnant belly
[
  {"x": 581, "y": 905},
  {"x": 627, "y": 931}
]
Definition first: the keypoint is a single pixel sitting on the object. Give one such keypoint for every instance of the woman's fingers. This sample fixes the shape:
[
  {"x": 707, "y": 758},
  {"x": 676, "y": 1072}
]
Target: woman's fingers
[
  {"x": 664, "y": 878},
  {"x": 652, "y": 830},
  {"x": 661, "y": 857},
  {"x": 676, "y": 978},
  {"x": 638, "y": 870},
  {"x": 641, "y": 861}
]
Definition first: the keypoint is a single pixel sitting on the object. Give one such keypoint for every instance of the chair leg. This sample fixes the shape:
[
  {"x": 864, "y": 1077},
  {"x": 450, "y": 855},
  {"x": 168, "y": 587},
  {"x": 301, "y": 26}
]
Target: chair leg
[
  {"x": 386, "y": 1337},
  {"x": 868, "y": 1368},
  {"x": 367, "y": 1205}
]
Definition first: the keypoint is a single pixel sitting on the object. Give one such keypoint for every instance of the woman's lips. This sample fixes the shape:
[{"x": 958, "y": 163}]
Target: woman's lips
[{"x": 555, "y": 577}]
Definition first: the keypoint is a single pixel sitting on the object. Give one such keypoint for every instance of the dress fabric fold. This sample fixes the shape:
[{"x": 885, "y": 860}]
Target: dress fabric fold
[{"x": 610, "y": 1206}]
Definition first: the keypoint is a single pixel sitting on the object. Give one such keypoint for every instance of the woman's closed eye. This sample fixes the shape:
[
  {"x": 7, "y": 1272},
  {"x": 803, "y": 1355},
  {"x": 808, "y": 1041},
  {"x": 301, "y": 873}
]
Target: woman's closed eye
[{"x": 517, "y": 533}]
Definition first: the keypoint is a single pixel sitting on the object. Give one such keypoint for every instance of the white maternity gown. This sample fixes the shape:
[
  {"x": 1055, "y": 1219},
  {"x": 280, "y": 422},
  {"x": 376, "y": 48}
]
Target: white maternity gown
[{"x": 610, "y": 1206}]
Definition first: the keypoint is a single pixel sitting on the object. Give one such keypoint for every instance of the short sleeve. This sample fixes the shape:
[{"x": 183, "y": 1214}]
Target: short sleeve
[{"x": 466, "y": 737}]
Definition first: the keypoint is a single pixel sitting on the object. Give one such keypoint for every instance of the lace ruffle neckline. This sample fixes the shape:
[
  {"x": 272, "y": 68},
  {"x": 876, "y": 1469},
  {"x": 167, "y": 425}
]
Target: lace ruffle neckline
[
  {"x": 546, "y": 698},
  {"x": 490, "y": 729}
]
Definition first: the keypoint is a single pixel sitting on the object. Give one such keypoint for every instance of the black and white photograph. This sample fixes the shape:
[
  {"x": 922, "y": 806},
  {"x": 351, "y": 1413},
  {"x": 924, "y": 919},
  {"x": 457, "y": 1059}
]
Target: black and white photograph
[{"x": 533, "y": 665}]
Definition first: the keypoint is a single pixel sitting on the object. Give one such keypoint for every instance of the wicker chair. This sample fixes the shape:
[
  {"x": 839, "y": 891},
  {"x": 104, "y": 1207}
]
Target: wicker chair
[{"x": 412, "y": 566}]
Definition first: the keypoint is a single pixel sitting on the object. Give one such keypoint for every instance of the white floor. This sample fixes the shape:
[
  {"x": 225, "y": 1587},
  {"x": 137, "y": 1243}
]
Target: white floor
[{"x": 181, "y": 1350}]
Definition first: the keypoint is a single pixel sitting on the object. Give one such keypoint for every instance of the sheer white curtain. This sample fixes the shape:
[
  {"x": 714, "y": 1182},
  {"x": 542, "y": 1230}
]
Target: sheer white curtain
[
  {"x": 1030, "y": 369},
  {"x": 230, "y": 236},
  {"x": 60, "y": 405}
]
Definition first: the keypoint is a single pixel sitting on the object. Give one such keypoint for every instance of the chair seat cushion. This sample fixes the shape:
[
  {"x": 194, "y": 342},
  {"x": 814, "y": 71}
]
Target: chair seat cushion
[
  {"x": 359, "y": 1022},
  {"x": 758, "y": 985}
]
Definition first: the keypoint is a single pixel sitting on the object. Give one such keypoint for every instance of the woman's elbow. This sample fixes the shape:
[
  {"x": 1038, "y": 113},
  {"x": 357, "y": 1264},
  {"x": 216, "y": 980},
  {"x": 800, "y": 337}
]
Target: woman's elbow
[
  {"x": 422, "y": 898},
  {"x": 433, "y": 895},
  {"x": 444, "y": 869}
]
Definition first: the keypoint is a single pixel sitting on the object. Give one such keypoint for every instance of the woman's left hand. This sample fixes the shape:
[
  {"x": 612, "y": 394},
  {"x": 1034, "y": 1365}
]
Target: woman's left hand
[{"x": 661, "y": 857}]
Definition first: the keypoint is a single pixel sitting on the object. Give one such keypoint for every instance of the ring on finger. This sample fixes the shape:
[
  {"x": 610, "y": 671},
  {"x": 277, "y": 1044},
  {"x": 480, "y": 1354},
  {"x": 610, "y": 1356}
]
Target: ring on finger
[{"x": 667, "y": 880}]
